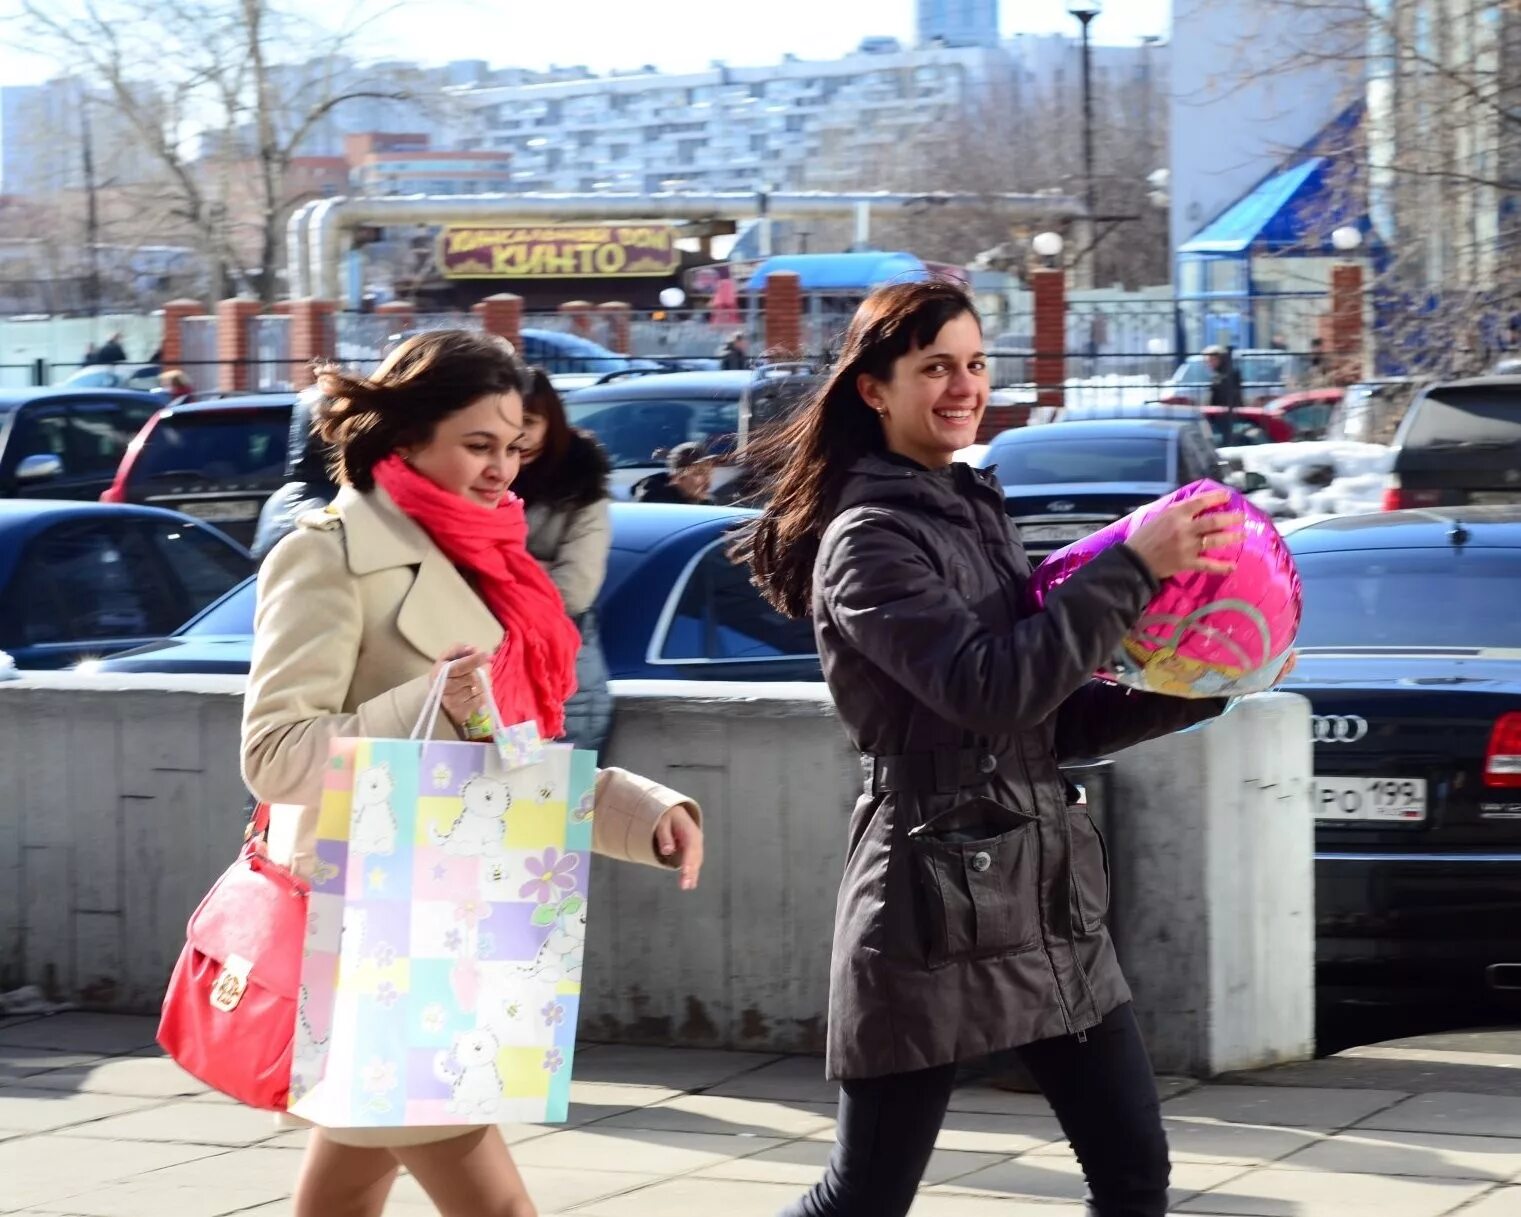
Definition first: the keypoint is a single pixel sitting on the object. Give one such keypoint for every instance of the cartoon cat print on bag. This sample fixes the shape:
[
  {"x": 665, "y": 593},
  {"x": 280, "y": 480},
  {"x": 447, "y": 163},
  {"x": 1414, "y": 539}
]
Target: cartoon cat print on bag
[
  {"x": 482, "y": 821},
  {"x": 469, "y": 1069},
  {"x": 372, "y": 825},
  {"x": 560, "y": 956}
]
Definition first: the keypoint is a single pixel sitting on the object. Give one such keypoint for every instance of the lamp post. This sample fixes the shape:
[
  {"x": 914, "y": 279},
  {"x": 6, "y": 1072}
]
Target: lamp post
[
  {"x": 1347, "y": 305},
  {"x": 1085, "y": 11}
]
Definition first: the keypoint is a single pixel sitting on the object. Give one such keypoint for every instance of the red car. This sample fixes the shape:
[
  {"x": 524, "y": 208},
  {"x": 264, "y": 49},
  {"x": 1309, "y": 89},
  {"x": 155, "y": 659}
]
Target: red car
[
  {"x": 1252, "y": 426},
  {"x": 1308, "y": 413}
]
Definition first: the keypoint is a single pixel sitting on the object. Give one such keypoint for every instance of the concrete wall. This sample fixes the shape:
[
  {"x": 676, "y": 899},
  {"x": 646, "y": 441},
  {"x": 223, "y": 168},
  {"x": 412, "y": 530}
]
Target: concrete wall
[{"x": 120, "y": 803}]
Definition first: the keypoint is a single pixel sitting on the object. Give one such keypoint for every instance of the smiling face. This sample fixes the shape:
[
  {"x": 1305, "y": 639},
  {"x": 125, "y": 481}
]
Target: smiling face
[
  {"x": 935, "y": 395},
  {"x": 475, "y": 452}
]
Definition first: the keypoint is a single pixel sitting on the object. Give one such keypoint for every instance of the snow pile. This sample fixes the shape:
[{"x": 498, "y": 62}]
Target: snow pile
[{"x": 1319, "y": 478}]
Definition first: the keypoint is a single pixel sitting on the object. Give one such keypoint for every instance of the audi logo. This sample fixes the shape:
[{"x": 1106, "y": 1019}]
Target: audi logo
[{"x": 1339, "y": 728}]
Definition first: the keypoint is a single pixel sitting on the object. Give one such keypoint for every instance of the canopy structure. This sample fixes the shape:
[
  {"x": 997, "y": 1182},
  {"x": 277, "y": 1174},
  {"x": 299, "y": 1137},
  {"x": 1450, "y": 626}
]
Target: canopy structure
[
  {"x": 843, "y": 273},
  {"x": 1286, "y": 211}
]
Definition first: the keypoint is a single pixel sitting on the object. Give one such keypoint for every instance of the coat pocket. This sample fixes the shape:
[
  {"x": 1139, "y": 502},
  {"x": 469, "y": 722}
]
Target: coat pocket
[
  {"x": 1090, "y": 871},
  {"x": 977, "y": 868}
]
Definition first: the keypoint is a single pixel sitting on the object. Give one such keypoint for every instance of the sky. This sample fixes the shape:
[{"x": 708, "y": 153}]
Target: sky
[{"x": 678, "y": 35}]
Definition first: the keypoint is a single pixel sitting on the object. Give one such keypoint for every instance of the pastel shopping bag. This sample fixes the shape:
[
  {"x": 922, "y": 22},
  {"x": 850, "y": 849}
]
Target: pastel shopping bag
[{"x": 441, "y": 979}]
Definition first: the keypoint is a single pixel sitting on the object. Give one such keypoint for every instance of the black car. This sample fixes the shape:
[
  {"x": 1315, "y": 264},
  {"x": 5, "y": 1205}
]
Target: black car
[
  {"x": 1062, "y": 481},
  {"x": 66, "y": 443},
  {"x": 1411, "y": 656},
  {"x": 216, "y": 460},
  {"x": 1459, "y": 443}
]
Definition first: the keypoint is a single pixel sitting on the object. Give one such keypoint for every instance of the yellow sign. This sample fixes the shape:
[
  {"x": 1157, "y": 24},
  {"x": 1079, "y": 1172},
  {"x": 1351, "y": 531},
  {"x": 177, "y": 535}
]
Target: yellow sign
[{"x": 559, "y": 251}]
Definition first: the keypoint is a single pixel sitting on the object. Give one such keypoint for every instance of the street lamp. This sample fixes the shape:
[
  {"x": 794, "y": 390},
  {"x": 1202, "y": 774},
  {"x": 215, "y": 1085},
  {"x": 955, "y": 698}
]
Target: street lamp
[
  {"x": 1085, "y": 11},
  {"x": 1346, "y": 238},
  {"x": 1047, "y": 245}
]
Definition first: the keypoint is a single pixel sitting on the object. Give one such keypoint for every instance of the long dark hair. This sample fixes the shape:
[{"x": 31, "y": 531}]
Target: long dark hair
[
  {"x": 571, "y": 469},
  {"x": 808, "y": 457}
]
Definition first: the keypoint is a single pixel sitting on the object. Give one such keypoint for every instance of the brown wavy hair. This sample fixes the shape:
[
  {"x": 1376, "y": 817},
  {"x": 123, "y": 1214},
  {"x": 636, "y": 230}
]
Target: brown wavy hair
[
  {"x": 808, "y": 457},
  {"x": 424, "y": 380}
]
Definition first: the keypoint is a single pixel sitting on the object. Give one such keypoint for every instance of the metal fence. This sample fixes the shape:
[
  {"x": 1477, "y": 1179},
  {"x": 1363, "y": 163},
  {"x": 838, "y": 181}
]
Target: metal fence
[{"x": 269, "y": 345}]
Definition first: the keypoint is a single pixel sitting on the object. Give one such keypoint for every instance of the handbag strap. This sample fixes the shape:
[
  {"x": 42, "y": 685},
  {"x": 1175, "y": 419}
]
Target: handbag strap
[
  {"x": 434, "y": 703},
  {"x": 257, "y": 828}
]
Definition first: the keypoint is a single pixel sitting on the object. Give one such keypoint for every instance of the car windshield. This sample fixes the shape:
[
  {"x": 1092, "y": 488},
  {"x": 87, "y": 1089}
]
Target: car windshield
[
  {"x": 232, "y": 614},
  {"x": 1036, "y": 462},
  {"x": 1411, "y": 598},
  {"x": 1263, "y": 369},
  {"x": 1466, "y": 417},
  {"x": 633, "y": 430},
  {"x": 565, "y": 353},
  {"x": 221, "y": 444},
  {"x": 1243, "y": 431}
]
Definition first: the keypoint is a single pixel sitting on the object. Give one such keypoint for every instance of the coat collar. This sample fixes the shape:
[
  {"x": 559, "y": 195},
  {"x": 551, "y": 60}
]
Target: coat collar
[{"x": 379, "y": 534}]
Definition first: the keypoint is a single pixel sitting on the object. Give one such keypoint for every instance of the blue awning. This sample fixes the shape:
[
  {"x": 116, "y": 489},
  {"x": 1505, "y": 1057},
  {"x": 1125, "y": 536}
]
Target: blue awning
[
  {"x": 1282, "y": 211},
  {"x": 842, "y": 272}
]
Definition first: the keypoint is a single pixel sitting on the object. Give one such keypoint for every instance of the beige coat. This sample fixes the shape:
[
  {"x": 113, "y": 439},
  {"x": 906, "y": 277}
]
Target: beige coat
[
  {"x": 571, "y": 544},
  {"x": 354, "y": 608}
]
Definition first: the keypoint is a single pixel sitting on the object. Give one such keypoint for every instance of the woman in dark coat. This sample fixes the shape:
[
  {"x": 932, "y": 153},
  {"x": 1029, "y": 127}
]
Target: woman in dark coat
[{"x": 971, "y": 912}]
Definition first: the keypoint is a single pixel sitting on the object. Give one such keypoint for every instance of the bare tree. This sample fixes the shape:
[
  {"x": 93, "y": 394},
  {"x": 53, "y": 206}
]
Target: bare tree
[{"x": 219, "y": 96}]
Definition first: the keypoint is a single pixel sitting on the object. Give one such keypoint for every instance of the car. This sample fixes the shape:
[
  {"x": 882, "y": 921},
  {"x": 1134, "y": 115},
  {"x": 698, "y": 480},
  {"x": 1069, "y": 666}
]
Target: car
[
  {"x": 1459, "y": 444},
  {"x": 66, "y": 443},
  {"x": 1250, "y": 426},
  {"x": 1410, "y": 655},
  {"x": 217, "y": 460},
  {"x": 83, "y": 580},
  {"x": 672, "y": 607},
  {"x": 1264, "y": 376},
  {"x": 639, "y": 418},
  {"x": 1064, "y": 480},
  {"x": 574, "y": 362},
  {"x": 1309, "y": 414},
  {"x": 1247, "y": 427},
  {"x": 137, "y": 377}
]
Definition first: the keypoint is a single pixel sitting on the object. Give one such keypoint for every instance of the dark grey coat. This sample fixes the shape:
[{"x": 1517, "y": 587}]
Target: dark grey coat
[{"x": 971, "y": 913}]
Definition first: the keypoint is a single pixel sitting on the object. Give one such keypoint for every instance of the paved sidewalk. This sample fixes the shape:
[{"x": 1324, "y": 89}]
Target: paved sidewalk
[{"x": 94, "y": 1122}]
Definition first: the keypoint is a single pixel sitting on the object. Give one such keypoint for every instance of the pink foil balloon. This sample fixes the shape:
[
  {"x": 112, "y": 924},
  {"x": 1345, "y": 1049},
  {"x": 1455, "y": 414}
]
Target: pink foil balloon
[{"x": 1202, "y": 635}]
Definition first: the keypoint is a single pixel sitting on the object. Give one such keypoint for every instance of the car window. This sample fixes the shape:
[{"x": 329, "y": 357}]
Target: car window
[
  {"x": 1037, "y": 462},
  {"x": 99, "y": 433},
  {"x": 1194, "y": 372},
  {"x": 1264, "y": 369},
  {"x": 40, "y": 431},
  {"x": 1244, "y": 433},
  {"x": 98, "y": 378},
  {"x": 216, "y": 444},
  {"x": 564, "y": 353},
  {"x": 1312, "y": 417},
  {"x": 205, "y": 566},
  {"x": 88, "y": 581},
  {"x": 1465, "y": 417},
  {"x": 720, "y": 616},
  {"x": 232, "y": 614},
  {"x": 634, "y": 429},
  {"x": 1411, "y": 598}
]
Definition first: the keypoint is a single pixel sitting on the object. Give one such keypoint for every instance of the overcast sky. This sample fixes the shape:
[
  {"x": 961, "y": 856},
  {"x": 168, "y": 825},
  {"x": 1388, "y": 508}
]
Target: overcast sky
[{"x": 672, "y": 34}]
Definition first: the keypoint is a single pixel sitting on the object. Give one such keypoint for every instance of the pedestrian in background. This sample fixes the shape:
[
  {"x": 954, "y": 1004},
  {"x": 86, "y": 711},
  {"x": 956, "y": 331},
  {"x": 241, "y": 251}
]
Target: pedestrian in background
[
  {"x": 309, "y": 482},
  {"x": 688, "y": 478},
  {"x": 563, "y": 485},
  {"x": 91, "y": 355},
  {"x": 111, "y": 351},
  {"x": 176, "y": 385},
  {"x": 736, "y": 353},
  {"x": 971, "y": 913},
  {"x": 420, "y": 562}
]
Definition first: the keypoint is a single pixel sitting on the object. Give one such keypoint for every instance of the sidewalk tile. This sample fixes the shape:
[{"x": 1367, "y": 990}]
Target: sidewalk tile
[
  {"x": 258, "y": 1166},
  {"x": 733, "y": 1117},
  {"x": 190, "y": 1123},
  {"x": 551, "y": 1188},
  {"x": 1482, "y": 1115},
  {"x": 143, "y": 1197},
  {"x": 17, "y": 1063},
  {"x": 708, "y": 1197},
  {"x": 678, "y": 1068},
  {"x": 982, "y": 1133},
  {"x": 1314, "y": 1109},
  {"x": 637, "y": 1151},
  {"x": 801, "y": 1163},
  {"x": 618, "y": 1094},
  {"x": 1423, "y": 1154},
  {"x": 1505, "y": 1202},
  {"x": 138, "y": 1076},
  {"x": 1198, "y": 1140},
  {"x": 107, "y": 1034},
  {"x": 41, "y": 1169},
  {"x": 993, "y": 1101},
  {"x": 793, "y": 1078},
  {"x": 23, "y": 1109},
  {"x": 1275, "y": 1192},
  {"x": 1039, "y": 1178},
  {"x": 579, "y": 1116}
]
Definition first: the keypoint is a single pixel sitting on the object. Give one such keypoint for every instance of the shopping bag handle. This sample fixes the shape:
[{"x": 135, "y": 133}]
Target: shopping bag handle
[{"x": 434, "y": 703}]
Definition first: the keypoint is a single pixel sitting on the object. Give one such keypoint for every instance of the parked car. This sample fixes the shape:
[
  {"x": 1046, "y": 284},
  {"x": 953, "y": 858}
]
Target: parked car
[
  {"x": 1264, "y": 376},
  {"x": 673, "y": 607},
  {"x": 138, "y": 377},
  {"x": 1459, "y": 444},
  {"x": 215, "y": 460},
  {"x": 639, "y": 418},
  {"x": 80, "y": 580},
  {"x": 1309, "y": 414},
  {"x": 1252, "y": 426},
  {"x": 1062, "y": 481},
  {"x": 1247, "y": 428},
  {"x": 1410, "y": 655},
  {"x": 66, "y": 443}
]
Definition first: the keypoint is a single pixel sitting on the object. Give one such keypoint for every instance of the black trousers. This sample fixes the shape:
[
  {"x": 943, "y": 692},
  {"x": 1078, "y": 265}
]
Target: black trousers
[{"x": 1100, "y": 1085}]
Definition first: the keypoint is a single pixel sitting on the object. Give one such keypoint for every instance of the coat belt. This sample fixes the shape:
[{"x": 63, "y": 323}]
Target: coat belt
[{"x": 943, "y": 771}]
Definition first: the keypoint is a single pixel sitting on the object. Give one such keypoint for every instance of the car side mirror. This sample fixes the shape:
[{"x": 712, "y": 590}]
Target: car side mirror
[{"x": 39, "y": 467}]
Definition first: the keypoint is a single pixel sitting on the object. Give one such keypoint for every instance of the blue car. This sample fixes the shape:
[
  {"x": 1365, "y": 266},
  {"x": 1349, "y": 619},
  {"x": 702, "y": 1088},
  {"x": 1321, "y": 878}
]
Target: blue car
[
  {"x": 673, "y": 607},
  {"x": 83, "y": 580}
]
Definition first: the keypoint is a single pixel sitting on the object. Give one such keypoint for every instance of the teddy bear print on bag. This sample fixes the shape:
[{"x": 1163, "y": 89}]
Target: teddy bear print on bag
[
  {"x": 482, "y": 821},
  {"x": 372, "y": 825},
  {"x": 469, "y": 1068}
]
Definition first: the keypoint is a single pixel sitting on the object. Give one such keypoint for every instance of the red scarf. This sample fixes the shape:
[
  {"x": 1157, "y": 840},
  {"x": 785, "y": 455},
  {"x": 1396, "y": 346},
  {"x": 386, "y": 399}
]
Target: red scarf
[{"x": 534, "y": 670}]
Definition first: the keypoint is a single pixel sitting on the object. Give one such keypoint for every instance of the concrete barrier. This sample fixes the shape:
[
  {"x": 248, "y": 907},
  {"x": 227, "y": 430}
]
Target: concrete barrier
[{"x": 120, "y": 802}]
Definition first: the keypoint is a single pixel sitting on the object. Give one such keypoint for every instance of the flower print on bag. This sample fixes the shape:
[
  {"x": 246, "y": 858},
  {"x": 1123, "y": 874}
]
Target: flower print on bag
[{"x": 550, "y": 877}]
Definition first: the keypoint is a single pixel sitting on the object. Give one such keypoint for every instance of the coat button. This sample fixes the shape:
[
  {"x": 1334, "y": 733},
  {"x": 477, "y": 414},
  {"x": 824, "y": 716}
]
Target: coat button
[
  {"x": 981, "y": 860},
  {"x": 987, "y": 764}
]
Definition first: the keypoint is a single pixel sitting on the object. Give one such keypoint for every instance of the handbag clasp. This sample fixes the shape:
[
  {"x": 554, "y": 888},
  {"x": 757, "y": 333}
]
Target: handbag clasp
[{"x": 231, "y": 983}]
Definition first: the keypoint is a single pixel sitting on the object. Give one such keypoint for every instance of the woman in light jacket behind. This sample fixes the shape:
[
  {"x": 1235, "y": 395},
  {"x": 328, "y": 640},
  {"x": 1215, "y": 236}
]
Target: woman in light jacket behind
[
  {"x": 563, "y": 484},
  {"x": 420, "y": 560}
]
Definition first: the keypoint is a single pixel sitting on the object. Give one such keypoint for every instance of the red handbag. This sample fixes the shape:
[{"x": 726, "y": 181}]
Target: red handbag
[{"x": 229, "y": 1015}]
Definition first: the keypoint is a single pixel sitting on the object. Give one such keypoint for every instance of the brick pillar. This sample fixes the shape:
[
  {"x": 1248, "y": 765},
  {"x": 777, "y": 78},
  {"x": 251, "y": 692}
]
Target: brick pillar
[
  {"x": 312, "y": 338},
  {"x": 784, "y": 314},
  {"x": 1050, "y": 288},
  {"x": 402, "y": 314},
  {"x": 502, "y": 315},
  {"x": 580, "y": 313},
  {"x": 1347, "y": 338},
  {"x": 618, "y": 316},
  {"x": 173, "y": 338},
  {"x": 997, "y": 419},
  {"x": 233, "y": 371}
]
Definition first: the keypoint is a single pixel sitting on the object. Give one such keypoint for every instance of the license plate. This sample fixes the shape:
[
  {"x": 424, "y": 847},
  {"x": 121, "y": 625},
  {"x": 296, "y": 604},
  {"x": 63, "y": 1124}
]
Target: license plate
[
  {"x": 214, "y": 513},
  {"x": 1395, "y": 799},
  {"x": 1061, "y": 534}
]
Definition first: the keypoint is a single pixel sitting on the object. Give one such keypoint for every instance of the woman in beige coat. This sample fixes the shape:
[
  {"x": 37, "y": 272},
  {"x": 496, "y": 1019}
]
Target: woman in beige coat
[{"x": 358, "y": 610}]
